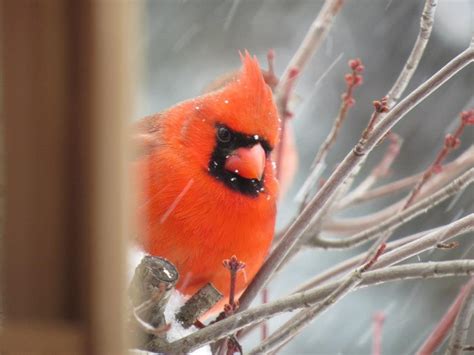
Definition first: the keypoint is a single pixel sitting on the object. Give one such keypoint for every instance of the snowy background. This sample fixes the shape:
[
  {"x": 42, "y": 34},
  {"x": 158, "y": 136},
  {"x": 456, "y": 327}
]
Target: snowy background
[{"x": 186, "y": 44}]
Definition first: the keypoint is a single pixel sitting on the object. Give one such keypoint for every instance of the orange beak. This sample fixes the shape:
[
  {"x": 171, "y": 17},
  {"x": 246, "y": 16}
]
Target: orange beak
[{"x": 247, "y": 162}]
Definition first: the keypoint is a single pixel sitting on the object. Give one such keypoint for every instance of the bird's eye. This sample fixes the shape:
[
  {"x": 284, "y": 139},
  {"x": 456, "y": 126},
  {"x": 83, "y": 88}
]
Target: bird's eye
[{"x": 224, "y": 135}]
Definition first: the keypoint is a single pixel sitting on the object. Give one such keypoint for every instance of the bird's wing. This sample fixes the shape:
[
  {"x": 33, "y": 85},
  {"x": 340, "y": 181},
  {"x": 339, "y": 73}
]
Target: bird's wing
[{"x": 145, "y": 135}]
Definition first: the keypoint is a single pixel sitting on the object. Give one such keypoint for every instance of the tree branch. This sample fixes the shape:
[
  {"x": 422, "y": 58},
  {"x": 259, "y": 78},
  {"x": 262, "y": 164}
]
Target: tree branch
[
  {"x": 440, "y": 332},
  {"x": 461, "y": 324},
  {"x": 308, "y": 47},
  {"x": 426, "y": 25}
]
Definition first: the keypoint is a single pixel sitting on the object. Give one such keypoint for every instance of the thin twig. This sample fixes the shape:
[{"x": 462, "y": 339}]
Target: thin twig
[
  {"x": 378, "y": 321},
  {"x": 461, "y": 324},
  {"x": 441, "y": 331},
  {"x": 426, "y": 25},
  {"x": 451, "y": 142},
  {"x": 353, "y": 80},
  {"x": 383, "y": 106},
  {"x": 308, "y": 47},
  {"x": 381, "y": 170}
]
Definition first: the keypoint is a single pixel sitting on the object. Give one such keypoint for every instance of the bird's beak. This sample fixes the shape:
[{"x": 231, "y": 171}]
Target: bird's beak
[{"x": 248, "y": 162}]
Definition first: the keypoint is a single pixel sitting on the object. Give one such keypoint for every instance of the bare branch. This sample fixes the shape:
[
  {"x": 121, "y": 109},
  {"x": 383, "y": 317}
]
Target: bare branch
[
  {"x": 440, "y": 332},
  {"x": 461, "y": 324},
  {"x": 351, "y": 263},
  {"x": 380, "y": 107},
  {"x": 381, "y": 170},
  {"x": 402, "y": 217},
  {"x": 451, "y": 142},
  {"x": 350, "y": 162},
  {"x": 358, "y": 224},
  {"x": 402, "y": 249},
  {"x": 353, "y": 80},
  {"x": 450, "y": 170},
  {"x": 430, "y": 240},
  {"x": 310, "y": 44},
  {"x": 306, "y": 299},
  {"x": 426, "y": 25},
  {"x": 308, "y": 47}
]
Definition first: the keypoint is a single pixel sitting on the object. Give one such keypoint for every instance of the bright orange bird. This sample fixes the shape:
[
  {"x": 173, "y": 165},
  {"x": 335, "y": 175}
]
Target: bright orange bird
[{"x": 208, "y": 187}]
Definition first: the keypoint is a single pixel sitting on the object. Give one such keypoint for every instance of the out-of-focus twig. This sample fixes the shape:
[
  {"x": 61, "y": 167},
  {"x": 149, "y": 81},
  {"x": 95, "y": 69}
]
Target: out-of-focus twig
[
  {"x": 441, "y": 331},
  {"x": 351, "y": 263},
  {"x": 378, "y": 320},
  {"x": 452, "y": 141},
  {"x": 463, "y": 319}
]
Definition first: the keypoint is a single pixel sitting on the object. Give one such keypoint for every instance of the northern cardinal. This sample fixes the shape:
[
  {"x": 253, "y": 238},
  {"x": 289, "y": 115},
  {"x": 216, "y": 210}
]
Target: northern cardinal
[{"x": 208, "y": 187}]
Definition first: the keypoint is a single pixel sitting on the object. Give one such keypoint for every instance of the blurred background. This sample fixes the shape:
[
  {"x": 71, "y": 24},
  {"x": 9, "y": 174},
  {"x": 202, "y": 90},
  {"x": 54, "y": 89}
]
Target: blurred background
[{"x": 186, "y": 44}]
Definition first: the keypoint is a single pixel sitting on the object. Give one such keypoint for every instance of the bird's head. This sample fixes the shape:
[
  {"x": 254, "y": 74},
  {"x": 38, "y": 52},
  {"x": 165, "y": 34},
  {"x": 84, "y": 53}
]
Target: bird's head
[{"x": 232, "y": 131}]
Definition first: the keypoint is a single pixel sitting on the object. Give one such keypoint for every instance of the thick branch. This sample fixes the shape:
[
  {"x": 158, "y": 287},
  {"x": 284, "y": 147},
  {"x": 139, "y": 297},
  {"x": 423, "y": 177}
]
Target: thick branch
[
  {"x": 198, "y": 304},
  {"x": 151, "y": 286}
]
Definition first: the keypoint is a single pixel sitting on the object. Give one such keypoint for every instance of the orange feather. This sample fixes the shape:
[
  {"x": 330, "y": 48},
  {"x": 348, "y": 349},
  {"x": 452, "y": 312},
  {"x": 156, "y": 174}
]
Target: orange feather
[{"x": 188, "y": 213}]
